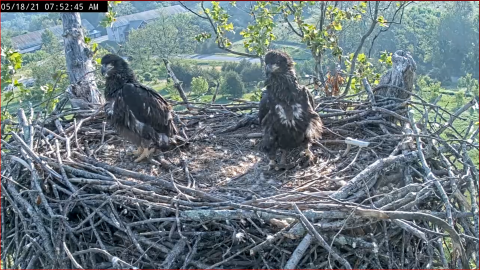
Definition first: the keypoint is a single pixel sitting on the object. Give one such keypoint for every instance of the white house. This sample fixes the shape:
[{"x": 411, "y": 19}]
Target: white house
[{"x": 124, "y": 24}]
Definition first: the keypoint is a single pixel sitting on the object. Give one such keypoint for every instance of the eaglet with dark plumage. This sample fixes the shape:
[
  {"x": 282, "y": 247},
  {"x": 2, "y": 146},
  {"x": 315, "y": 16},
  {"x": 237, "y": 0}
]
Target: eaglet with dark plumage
[
  {"x": 287, "y": 111},
  {"x": 137, "y": 112}
]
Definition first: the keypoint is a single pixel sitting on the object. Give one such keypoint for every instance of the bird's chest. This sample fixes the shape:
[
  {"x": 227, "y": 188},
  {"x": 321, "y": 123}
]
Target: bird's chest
[{"x": 289, "y": 114}]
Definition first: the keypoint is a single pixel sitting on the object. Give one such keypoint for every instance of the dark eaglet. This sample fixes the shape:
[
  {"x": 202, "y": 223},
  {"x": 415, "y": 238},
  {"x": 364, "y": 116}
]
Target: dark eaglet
[
  {"x": 137, "y": 112},
  {"x": 287, "y": 111}
]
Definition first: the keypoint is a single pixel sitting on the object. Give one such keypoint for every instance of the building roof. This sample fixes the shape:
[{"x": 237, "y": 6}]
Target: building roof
[
  {"x": 148, "y": 15},
  {"x": 34, "y": 39},
  {"x": 87, "y": 25},
  {"x": 135, "y": 24}
]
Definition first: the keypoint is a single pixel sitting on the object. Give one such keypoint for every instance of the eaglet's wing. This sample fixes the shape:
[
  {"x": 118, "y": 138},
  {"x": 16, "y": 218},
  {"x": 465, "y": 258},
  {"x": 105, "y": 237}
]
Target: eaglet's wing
[
  {"x": 148, "y": 107},
  {"x": 264, "y": 107},
  {"x": 311, "y": 100}
]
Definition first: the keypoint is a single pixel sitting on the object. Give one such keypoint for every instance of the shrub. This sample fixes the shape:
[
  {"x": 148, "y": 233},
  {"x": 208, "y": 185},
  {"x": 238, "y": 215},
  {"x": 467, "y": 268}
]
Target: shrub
[
  {"x": 147, "y": 76},
  {"x": 199, "y": 86},
  {"x": 186, "y": 72},
  {"x": 232, "y": 84},
  {"x": 252, "y": 74}
]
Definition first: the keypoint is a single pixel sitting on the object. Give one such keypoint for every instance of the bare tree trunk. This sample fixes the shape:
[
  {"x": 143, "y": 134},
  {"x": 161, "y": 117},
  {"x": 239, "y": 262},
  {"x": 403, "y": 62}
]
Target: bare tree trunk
[{"x": 79, "y": 63}]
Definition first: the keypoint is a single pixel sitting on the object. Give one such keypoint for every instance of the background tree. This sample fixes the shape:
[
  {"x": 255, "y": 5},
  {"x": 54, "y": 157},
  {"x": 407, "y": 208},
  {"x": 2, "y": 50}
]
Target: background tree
[
  {"x": 232, "y": 84},
  {"x": 50, "y": 42},
  {"x": 319, "y": 36},
  {"x": 166, "y": 37},
  {"x": 199, "y": 86},
  {"x": 125, "y": 8}
]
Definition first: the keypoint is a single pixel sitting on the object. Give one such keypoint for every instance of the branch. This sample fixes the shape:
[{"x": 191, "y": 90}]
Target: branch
[
  {"x": 359, "y": 48},
  {"x": 220, "y": 37},
  {"x": 177, "y": 83},
  {"x": 184, "y": 6}
]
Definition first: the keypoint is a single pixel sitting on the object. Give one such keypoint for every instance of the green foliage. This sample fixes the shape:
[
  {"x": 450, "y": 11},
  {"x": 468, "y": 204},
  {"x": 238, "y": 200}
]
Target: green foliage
[
  {"x": 11, "y": 63},
  {"x": 124, "y": 8},
  {"x": 172, "y": 92},
  {"x": 186, "y": 72},
  {"x": 50, "y": 70},
  {"x": 259, "y": 35},
  {"x": 50, "y": 43},
  {"x": 469, "y": 83},
  {"x": 252, "y": 74},
  {"x": 232, "y": 84},
  {"x": 364, "y": 69},
  {"x": 166, "y": 37},
  {"x": 199, "y": 86},
  {"x": 459, "y": 98},
  {"x": 429, "y": 88},
  {"x": 386, "y": 58},
  {"x": 257, "y": 94},
  {"x": 109, "y": 18},
  {"x": 147, "y": 76},
  {"x": 249, "y": 71},
  {"x": 220, "y": 18},
  {"x": 43, "y": 21}
]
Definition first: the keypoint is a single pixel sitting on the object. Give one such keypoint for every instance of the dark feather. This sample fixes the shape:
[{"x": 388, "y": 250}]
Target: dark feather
[
  {"x": 137, "y": 112},
  {"x": 287, "y": 110},
  {"x": 263, "y": 106}
]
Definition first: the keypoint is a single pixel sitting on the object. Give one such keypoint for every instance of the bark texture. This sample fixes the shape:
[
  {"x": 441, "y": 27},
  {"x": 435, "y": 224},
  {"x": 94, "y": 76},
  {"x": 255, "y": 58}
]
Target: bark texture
[{"x": 79, "y": 64}]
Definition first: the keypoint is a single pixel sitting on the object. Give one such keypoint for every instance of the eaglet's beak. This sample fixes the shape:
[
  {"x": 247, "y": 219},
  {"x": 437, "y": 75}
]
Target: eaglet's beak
[
  {"x": 269, "y": 69},
  {"x": 103, "y": 70}
]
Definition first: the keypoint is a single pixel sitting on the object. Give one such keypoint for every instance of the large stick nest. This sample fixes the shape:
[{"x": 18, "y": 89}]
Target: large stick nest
[{"x": 73, "y": 198}]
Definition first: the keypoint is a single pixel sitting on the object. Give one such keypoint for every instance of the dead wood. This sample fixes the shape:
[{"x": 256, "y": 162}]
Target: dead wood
[{"x": 72, "y": 198}]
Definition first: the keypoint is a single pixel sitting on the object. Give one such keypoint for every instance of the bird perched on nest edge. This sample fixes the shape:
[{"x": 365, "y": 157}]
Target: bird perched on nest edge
[
  {"x": 287, "y": 111},
  {"x": 137, "y": 112}
]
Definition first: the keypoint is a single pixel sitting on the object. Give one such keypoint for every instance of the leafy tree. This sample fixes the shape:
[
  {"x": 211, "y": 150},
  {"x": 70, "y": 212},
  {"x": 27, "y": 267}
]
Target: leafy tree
[
  {"x": 232, "y": 84},
  {"x": 252, "y": 74},
  {"x": 6, "y": 38},
  {"x": 42, "y": 22},
  {"x": 469, "y": 83},
  {"x": 34, "y": 57},
  {"x": 319, "y": 36},
  {"x": 199, "y": 86},
  {"x": 165, "y": 37},
  {"x": 49, "y": 70},
  {"x": 459, "y": 99},
  {"x": 11, "y": 63},
  {"x": 125, "y": 8},
  {"x": 50, "y": 43},
  {"x": 147, "y": 76}
]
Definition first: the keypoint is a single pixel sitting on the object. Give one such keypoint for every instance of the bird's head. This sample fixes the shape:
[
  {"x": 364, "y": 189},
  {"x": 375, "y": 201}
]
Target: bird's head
[
  {"x": 277, "y": 62},
  {"x": 110, "y": 62}
]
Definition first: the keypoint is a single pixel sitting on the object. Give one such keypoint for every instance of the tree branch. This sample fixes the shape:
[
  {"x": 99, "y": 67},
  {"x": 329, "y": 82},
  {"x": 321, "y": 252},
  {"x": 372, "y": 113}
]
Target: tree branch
[{"x": 359, "y": 48}]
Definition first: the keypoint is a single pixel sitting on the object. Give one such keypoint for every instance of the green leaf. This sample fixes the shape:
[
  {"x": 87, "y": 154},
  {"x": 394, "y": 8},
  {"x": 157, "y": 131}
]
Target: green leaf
[
  {"x": 362, "y": 58},
  {"x": 337, "y": 26},
  {"x": 87, "y": 40},
  {"x": 8, "y": 95}
]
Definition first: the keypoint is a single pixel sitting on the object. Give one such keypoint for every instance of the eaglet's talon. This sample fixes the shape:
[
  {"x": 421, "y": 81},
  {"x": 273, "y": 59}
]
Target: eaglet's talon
[
  {"x": 145, "y": 154},
  {"x": 283, "y": 162},
  {"x": 310, "y": 158},
  {"x": 270, "y": 166},
  {"x": 137, "y": 152}
]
